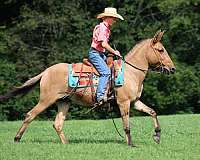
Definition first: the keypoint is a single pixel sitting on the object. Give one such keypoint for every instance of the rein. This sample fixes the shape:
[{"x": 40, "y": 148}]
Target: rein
[{"x": 143, "y": 70}]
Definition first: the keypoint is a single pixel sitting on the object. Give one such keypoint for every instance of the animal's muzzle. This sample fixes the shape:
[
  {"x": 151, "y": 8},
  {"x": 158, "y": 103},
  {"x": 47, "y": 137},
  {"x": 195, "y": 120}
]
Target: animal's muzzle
[
  {"x": 164, "y": 69},
  {"x": 167, "y": 70}
]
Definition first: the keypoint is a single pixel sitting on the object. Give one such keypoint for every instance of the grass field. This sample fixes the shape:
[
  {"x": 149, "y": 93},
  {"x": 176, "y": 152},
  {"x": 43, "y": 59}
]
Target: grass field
[{"x": 98, "y": 140}]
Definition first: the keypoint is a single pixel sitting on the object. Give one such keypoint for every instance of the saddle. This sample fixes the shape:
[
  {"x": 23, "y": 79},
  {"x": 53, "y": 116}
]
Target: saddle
[
  {"x": 84, "y": 74},
  {"x": 83, "y": 69},
  {"x": 84, "y": 78}
]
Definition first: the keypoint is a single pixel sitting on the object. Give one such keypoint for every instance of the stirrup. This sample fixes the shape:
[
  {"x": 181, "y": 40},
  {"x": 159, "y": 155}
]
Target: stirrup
[
  {"x": 111, "y": 97},
  {"x": 104, "y": 100},
  {"x": 100, "y": 102}
]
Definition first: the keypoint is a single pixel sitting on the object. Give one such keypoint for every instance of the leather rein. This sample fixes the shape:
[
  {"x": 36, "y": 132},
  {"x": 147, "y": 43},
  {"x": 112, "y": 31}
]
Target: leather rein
[{"x": 160, "y": 64}]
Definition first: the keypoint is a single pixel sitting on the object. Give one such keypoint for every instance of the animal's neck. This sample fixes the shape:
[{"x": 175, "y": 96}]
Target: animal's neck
[{"x": 137, "y": 56}]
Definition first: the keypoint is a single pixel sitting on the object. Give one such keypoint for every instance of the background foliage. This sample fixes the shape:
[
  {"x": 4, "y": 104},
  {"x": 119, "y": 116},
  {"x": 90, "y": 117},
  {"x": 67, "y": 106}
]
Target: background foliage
[{"x": 37, "y": 34}]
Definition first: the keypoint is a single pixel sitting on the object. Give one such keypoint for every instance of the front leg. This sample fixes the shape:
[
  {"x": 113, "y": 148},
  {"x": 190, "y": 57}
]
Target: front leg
[
  {"x": 143, "y": 108},
  {"x": 125, "y": 110}
]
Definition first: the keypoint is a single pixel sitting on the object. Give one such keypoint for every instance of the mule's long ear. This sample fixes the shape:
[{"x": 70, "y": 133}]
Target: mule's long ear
[{"x": 158, "y": 36}]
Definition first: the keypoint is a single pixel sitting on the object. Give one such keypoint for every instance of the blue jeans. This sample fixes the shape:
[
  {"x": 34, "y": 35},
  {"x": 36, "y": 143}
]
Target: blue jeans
[{"x": 98, "y": 60}]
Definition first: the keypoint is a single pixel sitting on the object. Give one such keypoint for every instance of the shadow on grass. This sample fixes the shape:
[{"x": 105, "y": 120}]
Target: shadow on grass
[
  {"x": 39, "y": 141},
  {"x": 96, "y": 141},
  {"x": 73, "y": 141}
]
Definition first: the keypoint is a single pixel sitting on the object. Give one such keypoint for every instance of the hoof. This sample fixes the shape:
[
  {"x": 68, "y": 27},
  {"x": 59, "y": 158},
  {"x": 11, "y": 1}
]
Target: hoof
[
  {"x": 65, "y": 142},
  {"x": 132, "y": 146},
  {"x": 156, "y": 138},
  {"x": 17, "y": 139}
]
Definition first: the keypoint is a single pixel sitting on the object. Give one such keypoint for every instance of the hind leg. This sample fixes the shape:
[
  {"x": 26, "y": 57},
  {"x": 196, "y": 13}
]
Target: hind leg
[
  {"x": 41, "y": 106},
  {"x": 59, "y": 121},
  {"x": 143, "y": 108}
]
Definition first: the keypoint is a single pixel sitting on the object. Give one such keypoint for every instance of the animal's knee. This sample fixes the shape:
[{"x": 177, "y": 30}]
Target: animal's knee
[
  {"x": 127, "y": 130},
  {"x": 153, "y": 113},
  {"x": 57, "y": 127},
  {"x": 28, "y": 118},
  {"x": 58, "y": 124}
]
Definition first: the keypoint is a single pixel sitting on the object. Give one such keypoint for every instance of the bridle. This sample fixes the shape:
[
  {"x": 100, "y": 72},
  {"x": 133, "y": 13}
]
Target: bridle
[{"x": 159, "y": 66}]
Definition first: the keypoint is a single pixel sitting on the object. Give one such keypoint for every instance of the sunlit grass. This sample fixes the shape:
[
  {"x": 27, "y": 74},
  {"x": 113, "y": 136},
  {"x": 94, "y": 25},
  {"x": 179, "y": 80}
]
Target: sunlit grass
[{"x": 98, "y": 140}]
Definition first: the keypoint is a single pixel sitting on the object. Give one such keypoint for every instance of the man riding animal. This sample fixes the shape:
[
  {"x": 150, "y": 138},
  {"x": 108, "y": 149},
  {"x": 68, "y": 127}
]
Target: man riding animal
[{"x": 99, "y": 45}]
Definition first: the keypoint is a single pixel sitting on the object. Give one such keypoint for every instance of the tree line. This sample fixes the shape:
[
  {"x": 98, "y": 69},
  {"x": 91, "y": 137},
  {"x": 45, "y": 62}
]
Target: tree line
[{"x": 37, "y": 34}]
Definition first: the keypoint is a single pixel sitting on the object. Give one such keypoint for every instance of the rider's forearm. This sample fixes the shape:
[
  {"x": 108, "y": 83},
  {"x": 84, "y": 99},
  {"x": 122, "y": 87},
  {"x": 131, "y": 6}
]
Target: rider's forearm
[{"x": 108, "y": 47}]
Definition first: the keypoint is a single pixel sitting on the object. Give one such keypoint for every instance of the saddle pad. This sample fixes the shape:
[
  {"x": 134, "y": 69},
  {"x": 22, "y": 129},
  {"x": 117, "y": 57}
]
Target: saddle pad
[
  {"x": 119, "y": 72},
  {"x": 80, "y": 81},
  {"x": 84, "y": 80}
]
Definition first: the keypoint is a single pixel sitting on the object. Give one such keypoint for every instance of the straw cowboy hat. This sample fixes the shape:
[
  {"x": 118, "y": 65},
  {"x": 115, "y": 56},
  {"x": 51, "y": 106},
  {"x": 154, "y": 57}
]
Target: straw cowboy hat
[{"x": 110, "y": 12}]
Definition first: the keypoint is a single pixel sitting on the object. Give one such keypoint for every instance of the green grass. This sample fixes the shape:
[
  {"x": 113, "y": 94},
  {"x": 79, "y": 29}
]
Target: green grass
[{"x": 98, "y": 140}]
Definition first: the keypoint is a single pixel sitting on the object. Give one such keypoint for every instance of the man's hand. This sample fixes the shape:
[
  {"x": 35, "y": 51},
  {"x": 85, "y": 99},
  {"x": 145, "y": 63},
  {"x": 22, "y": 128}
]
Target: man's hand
[
  {"x": 110, "y": 49},
  {"x": 117, "y": 53}
]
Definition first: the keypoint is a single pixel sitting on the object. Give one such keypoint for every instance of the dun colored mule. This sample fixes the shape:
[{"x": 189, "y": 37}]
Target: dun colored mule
[{"x": 54, "y": 80}]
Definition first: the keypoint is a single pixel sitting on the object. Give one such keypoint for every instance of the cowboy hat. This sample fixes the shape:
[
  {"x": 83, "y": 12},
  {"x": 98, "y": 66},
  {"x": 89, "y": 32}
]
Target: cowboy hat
[{"x": 110, "y": 12}]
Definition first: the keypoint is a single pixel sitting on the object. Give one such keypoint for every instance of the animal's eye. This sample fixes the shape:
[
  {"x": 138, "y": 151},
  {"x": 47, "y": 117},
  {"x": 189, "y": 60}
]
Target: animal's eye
[{"x": 161, "y": 50}]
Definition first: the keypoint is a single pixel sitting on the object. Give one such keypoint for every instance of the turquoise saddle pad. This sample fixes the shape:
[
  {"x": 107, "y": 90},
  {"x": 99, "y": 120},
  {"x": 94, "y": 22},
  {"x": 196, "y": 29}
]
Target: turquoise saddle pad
[{"x": 73, "y": 81}]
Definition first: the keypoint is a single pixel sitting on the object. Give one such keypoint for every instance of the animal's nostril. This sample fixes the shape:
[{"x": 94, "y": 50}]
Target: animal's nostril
[{"x": 173, "y": 70}]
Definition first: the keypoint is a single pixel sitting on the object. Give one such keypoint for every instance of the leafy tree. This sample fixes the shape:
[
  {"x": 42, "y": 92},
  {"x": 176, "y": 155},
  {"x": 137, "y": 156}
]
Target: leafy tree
[{"x": 37, "y": 34}]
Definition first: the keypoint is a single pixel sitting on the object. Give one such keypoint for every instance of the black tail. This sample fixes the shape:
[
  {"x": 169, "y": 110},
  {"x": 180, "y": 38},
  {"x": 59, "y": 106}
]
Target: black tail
[{"x": 25, "y": 88}]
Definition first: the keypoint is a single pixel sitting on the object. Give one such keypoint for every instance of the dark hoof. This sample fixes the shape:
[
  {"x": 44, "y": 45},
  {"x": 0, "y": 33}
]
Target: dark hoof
[
  {"x": 132, "y": 146},
  {"x": 17, "y": 139},
  {"x": 156, "y": 138}
]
